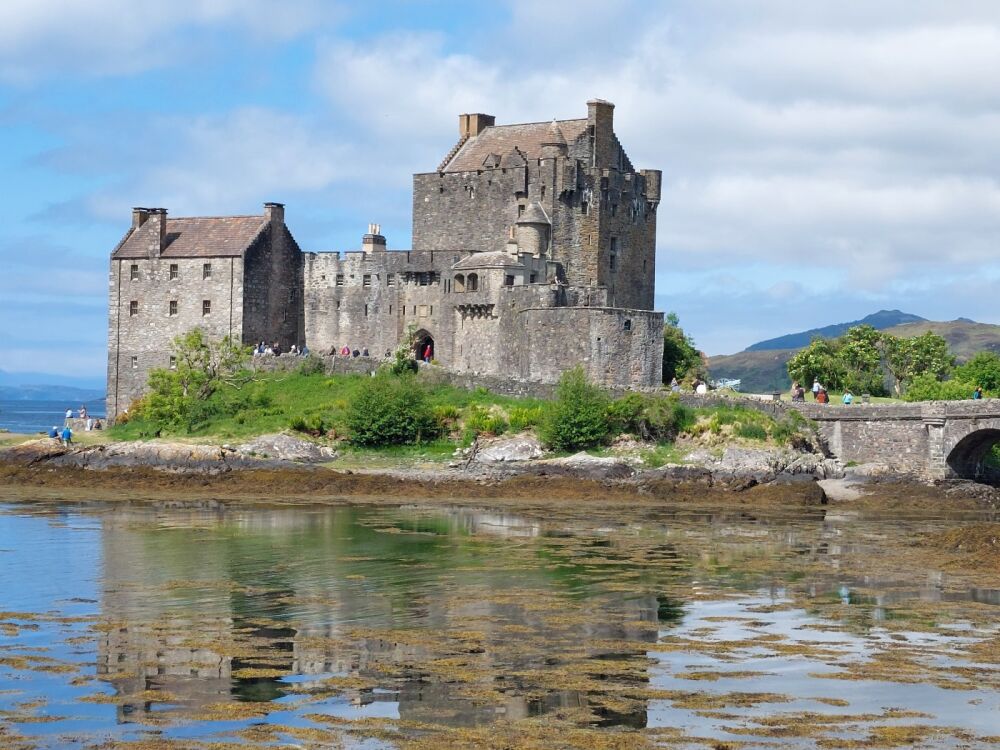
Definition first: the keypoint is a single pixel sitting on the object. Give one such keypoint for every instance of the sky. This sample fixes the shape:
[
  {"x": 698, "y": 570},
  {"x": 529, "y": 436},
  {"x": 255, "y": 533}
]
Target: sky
[{"x": 821, "y": 160}]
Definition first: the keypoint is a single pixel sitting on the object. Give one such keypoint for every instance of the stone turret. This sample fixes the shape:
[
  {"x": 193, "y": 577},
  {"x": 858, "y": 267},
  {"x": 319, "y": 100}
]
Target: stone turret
[{"x": 532, "y": 230}]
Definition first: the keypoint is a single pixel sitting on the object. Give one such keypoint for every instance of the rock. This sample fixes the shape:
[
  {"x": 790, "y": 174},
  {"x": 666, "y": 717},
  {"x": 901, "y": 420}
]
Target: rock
[
  {"x": 284, "y": 447},
  {"x": 523, "y": 448},
  {"x": 585, "y": 466},
  {"x": 163, "y": 456},
  {"x": 33, "y": 451}
]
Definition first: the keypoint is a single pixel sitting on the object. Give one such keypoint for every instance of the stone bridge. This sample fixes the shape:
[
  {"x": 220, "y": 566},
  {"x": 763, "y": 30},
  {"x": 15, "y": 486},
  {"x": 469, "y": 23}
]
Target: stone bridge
[{"x": 932, "y": 439}]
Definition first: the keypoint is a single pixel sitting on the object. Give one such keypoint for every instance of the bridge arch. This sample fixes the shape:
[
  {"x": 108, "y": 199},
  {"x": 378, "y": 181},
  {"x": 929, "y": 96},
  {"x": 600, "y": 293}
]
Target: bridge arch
[{"x": 967, "y": 458}]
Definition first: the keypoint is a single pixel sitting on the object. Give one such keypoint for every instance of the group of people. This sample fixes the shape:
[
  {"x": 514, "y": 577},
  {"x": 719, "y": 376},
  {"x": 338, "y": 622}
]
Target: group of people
[
  {"x": 820, "y": 394},
  {"x": 64, "y": 436},
  {"x": 90, "y": 423},
  {"x": 699, "y": 385},
  {"x": 346, "y": 351},
  {"x": 263, "y": 349}
]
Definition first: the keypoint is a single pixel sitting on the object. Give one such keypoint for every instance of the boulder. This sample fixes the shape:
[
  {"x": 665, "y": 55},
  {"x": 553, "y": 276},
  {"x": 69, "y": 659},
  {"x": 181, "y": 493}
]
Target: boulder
[
  {"x": 284, "y": 447},
  {"x": 32, "y": 451},
  {"x": 521, "y": 448}
]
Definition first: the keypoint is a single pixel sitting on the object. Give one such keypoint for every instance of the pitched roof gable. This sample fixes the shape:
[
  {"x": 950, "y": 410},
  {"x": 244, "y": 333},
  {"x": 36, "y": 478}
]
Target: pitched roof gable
[
  {"x": 199, "y": 237},
  {"x": 528, "y": 138}
]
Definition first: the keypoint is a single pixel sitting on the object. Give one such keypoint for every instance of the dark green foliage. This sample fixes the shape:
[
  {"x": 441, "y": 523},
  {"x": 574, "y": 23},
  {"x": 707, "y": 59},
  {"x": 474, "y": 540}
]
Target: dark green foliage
[
  {"x": 681, "y": 359},
  {"x": 578, "y": 418},
  {"x": 311, "y": 425},
  {"x": 927, "y": 387},
  {"x": 389, "y": 410},
  {"x": 312, "y": 366},
  {"x": 982, "y": 370},
  {"x": 751, "y": 431}
]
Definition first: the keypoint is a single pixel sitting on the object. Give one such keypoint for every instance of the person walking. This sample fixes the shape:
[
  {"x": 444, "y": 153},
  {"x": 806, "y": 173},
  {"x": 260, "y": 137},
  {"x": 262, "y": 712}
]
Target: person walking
[
  {"x": 848, "y": 398},
  {"x": 816, "y": 389},
  {"x": 67, "y": 436},
  {"x": 822, "y": 397},
  {"x": 978, "y": 393},
  {"x": 427, "y": 354}
]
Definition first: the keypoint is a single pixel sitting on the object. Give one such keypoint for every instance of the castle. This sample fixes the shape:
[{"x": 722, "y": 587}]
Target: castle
[{"x": 534, "y": 250}]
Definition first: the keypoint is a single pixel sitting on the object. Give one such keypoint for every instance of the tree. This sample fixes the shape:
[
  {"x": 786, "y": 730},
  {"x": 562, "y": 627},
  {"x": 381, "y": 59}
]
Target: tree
[
  {"x": 982, "y": 370},
  {"x": 578, "y": 418},
  {"x": 680, "y": 357},
  {"x": 925, "y": 355},
  {"x": 199, "y": 367},
  {"x": 819, "y": 361}
]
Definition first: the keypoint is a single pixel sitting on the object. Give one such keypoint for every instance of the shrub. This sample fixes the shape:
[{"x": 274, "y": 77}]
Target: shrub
[
  {"x": 311, "y": 425},
  {"x": 481, "y": 420},
  {"x": 390, "y": 411},
  {"x": 578, "y": 418},
  {"x": 926, "y": 387},
  {"x": 751, "y": 431},
  {"x": 625, "y": 413},
  {"x": 663, "y": 418}
]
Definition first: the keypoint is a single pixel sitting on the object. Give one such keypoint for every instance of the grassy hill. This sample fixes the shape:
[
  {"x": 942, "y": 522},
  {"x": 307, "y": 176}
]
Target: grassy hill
[
  {"x": 881, "y": 320},
  {"x": 763, "y": 371}
]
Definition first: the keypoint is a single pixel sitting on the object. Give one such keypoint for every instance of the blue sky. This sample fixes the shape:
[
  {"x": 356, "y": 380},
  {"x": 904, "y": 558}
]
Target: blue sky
[{"x": 821, "y": 161}]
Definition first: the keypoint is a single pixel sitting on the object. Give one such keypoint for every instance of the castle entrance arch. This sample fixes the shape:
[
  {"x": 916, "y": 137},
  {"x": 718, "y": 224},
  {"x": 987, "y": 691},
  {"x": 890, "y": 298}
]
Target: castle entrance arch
[
  {"x": 422, "y": 341},
  {"x": 972, "y": 457}
]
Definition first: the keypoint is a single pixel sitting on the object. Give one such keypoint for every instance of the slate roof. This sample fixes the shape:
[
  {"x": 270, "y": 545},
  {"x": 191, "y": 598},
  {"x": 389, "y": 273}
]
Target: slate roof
[
  {"x": 199, "y": 237},
  {"x": 495, "y": 259},
  {"x": 502, "y": 139}
]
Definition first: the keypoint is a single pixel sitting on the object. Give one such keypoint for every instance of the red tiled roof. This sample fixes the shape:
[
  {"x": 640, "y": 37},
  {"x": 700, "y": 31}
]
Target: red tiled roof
[
  {"x": 199, "y": 237},
  {"x": 502, "y": 139}
]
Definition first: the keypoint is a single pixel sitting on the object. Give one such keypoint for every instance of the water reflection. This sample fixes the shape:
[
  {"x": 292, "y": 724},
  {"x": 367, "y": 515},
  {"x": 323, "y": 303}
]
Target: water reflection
[{"x": 202, "y": 623}]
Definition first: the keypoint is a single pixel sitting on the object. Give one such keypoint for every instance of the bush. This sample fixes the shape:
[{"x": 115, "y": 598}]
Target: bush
[
  {"x": 390, "y": 411},
  {"x": 625, "y": 414},
  {"x": 311, "y": 425},
  {"x": 481, "y": 420},
  {"x": 578, "y": 418},
  {"x": 665, "y": 417},
  {"x": 751, "y": 431},
  {"x": 927, "y": 387}
]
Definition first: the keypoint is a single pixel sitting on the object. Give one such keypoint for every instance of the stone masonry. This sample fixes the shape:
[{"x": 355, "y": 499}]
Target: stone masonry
[{"x": 533, "y": 251}]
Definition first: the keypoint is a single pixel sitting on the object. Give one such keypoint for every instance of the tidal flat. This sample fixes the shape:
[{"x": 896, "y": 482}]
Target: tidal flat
[{"x": 692, "y": 619}]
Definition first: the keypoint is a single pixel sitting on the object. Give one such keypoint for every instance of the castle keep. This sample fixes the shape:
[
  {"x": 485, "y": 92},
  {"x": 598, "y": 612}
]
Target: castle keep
[{"x": 533, "y": 250}]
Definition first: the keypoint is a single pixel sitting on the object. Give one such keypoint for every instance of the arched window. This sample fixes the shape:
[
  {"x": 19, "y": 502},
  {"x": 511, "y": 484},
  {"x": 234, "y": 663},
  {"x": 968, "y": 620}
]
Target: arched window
[
  {"x": 459, "y": 282},
  {"x": 472, "y": 282}
]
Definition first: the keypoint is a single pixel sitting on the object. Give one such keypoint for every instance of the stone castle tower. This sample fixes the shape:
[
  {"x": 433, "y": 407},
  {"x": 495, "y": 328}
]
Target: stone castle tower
[{"x": 533, "y": 251}]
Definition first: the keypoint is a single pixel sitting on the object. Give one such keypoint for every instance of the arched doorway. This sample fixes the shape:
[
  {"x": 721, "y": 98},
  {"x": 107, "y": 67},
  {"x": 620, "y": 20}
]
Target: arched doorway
[
  {"x": 423, "y": 344},
  {"x": 973, "y": 457}
]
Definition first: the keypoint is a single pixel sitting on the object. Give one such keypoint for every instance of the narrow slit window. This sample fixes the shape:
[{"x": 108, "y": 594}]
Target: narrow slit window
[
  {"x": 206, "y": 307},
  {"x": 134, "y": 272},
  {"x": 174, "y": 271},
  {"x": 172, "y": 308},
  {"x": 133, "y": 307},
  {"x": 135, "y": 362},
  {"x": 206, "y": 271}
]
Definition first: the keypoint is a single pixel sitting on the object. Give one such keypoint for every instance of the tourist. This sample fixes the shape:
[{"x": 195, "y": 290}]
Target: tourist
[
  {"x": 69, "y": 414},
  {"x": 345, "y": 351},
  {"x": 294, "y": 350},
  {"x": 798, "y": 393},
  {"x": 83, "y": 412},
  {"x": 816, "y": 389},
  {"x": 268, "y": 351},
  {"x": 98, "y": 424},
  {"x": 67, "y": 436},
  {"x": 54, "y": 432},
  {"x": 427, "y": 354},
  {"x": 701, "y": 387},
  {"x": 822, "y": 397},
  {"x": 90, "y": 424},
  {"x": 304, "y": 351},
  {"x": 675, "y": 387},
  {"x": 978, "y": 393},
  {"x": 356, "y": 354},
  {"x": 848, "y": 398},
  {"x": 276, "y": 348},
  {"x": 364, "y": 352}
]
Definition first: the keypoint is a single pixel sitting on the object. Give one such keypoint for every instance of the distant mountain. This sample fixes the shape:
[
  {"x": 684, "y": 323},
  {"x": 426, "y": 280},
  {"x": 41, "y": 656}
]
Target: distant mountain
[
  {"x": 881, "y": 320},
  {"x": 49, "y": 392},
  {"x": 763, "y": 370},
  {"x": 11, "y": 379}
]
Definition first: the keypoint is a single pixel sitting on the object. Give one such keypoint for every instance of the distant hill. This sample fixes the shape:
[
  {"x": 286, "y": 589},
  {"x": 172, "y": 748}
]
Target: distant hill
[
  {"x": 48, "y": 392},
  {"x": 763, "y": 370},
  {"x": 881, "y": 320},
  {"x": 33, "y": 379}
]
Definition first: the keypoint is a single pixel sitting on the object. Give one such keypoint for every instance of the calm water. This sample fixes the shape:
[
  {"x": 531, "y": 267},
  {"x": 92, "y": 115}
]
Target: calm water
[
  {"x": 39, "y": 416},
  {"x": 405, "y": 627}
]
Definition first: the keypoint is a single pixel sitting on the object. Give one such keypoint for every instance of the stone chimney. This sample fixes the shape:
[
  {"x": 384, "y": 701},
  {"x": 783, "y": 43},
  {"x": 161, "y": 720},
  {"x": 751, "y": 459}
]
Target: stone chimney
[
  {"x": 139, "y": 217},
  {"x": 601, "y": 125},
  {"x": 473, "y": 124},
  {"x": 274, "y": 213},
  {"x": 373, "y": 241},
  {"x": 155, "y": 227}
]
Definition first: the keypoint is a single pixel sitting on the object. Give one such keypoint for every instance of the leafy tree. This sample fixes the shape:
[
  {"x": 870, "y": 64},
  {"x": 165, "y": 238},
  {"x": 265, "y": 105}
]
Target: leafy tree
[
  {"x": 390, "y": 411},
  {"x": 819, "y": 361},
  {"x": 578, "y": 418},
  {"x": 926, "y": 387},
  {"x": 178, "y": 397},
  {"x": 680, "y": 357},
  {"x": 982, "y": 370},
  {"x": 860, "y": 352},
  {"x": 926, "y": 354}
]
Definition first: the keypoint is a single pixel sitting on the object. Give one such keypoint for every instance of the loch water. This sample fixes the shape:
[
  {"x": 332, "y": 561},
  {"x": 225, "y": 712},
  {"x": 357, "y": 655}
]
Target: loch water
[{"x": 396, "y": 627}]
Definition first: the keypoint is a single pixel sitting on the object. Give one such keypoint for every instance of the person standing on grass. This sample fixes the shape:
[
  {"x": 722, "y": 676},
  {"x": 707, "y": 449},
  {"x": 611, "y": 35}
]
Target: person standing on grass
[
  {"x": 848, "y": 398},
  {"x": 816, "y": 389},
  {"x": 67, "y": 436}
]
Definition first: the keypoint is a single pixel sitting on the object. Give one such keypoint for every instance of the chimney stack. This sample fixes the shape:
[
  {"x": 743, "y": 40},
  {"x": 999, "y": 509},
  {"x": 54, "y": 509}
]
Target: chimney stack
[
  {"x": 601, "y": 123},
  {"x": 139, "y": 217},
  {"x": 373, "y": 241},
  {"x": 274, "y": 212},
  {"x": 469, "y": 126},
  {"x": 156, "y": 229}
]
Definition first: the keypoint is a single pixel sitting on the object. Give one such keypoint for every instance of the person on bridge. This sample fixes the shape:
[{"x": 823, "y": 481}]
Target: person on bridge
[
  {"x": 822, "y": 397},
  {"x": 848, "y": 398},
  {"x": 798, "y": 393},
  {"x": 816, "y": 389},
  {"x": 978, "y": 393}
]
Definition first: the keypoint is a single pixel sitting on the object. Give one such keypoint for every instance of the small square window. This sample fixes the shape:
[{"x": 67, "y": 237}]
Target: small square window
[
  {"x": 627, "y": 325},
  {"x": 206, "y": 271},
  {"x": 366, "y": 280},
  {"x": 173, "y": 363},
  {"x": 508, "y": 280},
  {"x": 174, "y": 271},
  {"x": 134, "y": 272},
  {"x": 340, "y": 279},
  {"x": 390, "y": 279},
  {"x": 135, "y": 362},
  {"x": 133, "y": 307},
  {"x": 173, "y": 307},
  {"x": 206, "y": 307},
  {"x": 533, "y": 278}
]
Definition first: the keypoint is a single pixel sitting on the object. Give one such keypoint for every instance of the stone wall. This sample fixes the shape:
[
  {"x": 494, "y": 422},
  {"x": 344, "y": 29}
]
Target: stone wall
[
  {"x": 141, "y": 342},
  {"x": 273, "y": 286}
]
